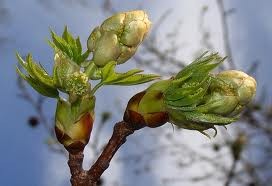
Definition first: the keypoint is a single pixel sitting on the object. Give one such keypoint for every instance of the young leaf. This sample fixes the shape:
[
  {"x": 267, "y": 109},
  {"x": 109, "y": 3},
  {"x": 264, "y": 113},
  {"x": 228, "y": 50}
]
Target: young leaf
[
  {"x": 69, "y": 46},
  {"x": 92, "y": 71},
  {"x": 132, "y": 77},
  {"x": 209, "y": 118},
  {"x": 135, "y": 79},
  {"x": 38, "y": 86},
  {"x": 37, "y": 77}
]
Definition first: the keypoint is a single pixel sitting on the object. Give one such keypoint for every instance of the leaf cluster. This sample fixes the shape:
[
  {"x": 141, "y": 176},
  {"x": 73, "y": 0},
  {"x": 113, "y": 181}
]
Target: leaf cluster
[{"x": 69, "y": 46}]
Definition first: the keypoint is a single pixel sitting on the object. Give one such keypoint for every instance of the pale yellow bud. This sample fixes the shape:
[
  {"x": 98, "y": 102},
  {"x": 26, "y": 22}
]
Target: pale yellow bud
[
  {"x": 118, "y": 38},
  {"x": 244, "y": 84}
]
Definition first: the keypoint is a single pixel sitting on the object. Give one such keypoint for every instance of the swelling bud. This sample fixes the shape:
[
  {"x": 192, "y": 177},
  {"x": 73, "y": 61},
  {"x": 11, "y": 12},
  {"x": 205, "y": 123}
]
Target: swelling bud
[
  {"x": 74, "y": 122},
  {"x": 118, "y": 38},
  {"x": 147, "y": 108}
]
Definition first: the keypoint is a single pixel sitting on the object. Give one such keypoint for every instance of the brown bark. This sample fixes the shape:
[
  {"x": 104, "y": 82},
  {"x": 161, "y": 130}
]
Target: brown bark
[{"x": 80, "y": 177}]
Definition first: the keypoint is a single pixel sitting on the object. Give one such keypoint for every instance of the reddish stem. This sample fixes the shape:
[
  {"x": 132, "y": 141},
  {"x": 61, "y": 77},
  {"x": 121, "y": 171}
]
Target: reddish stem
[
  {"x": 80, "y": 177},
  {"x": 118, "y": 138}
]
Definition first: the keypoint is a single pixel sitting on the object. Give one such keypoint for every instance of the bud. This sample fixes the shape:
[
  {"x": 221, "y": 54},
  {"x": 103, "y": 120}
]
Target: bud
[
  {"x": 232, "y": 91},
  {"x": 68, "y": 77},
  {"x": 63, "y": 67},
  {"x": 74, "y": 122},
  {"x": 198, "y": 100},
  {"x": 77, "y": 84},
  {"x": 194, "y": 99},
  {"x": 147, "y": 108},
  {"x": 118, "y": 38}
]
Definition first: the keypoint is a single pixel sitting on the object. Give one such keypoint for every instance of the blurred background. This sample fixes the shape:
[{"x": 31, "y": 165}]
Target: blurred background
[{"x": 165, "y": 156}]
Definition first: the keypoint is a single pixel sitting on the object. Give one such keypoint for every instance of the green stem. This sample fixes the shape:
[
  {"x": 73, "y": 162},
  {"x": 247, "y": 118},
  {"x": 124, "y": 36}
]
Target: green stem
[
  {"x": 96, "y": 87},
  {"x": 91, "y": 71}
]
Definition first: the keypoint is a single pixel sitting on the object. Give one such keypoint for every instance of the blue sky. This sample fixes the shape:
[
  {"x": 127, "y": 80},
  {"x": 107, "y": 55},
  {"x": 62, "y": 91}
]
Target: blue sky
[{"x": 24, "y": 160}]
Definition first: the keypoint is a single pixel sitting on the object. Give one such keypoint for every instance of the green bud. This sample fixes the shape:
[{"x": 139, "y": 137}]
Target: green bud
[
  {"x": 194, "y": 99},
  {"x": 77, "y": 83},
  {"x": 243, "y": 85},
  {"x": 118, "y": 38},
  {"x": 74, "y": 122},
  {"x": 231, "y": 91},
  {"x": 63, "y": 69},
  {"x": 199, "y": 100},
  {"x": 147, "y": 108}
]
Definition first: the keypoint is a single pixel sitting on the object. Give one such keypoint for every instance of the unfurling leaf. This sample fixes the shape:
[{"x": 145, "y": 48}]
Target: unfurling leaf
[
  {"x": 69, "y": 46},
  {"x": 131, "y": 77},
  {"x": 37, "y": 77}
]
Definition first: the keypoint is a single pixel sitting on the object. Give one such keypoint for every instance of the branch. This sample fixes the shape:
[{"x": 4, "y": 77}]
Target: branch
[
  {"x": 80, "y": 177},
  {"x": 118, "y": 138},
  {"x": 231, "y": 173},
  {"x": 226, "y": 39}
]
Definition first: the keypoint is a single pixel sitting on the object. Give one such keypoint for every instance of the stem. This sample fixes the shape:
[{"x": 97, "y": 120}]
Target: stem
[
  {"x": 118, "y": 138},
  {"x": 226, "y": 39},
  {"x": 231, "y": 172},
  {"x": 80, "y": 177},
  {"x": 96, "y": 87}
]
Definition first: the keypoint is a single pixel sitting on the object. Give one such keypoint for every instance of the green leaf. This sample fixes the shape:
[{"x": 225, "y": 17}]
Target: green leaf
[
  {"x": 39, "y": 73},
  {"x": 61, "y": 44},
  {"x": 108, "y": 70},
  {"x": 193, "y": 108},
  {"x": 92, "y": 71},
  {"x": 131, "y": 77},
  {"x": 38, "y": 86},
  {"x": 37, "y": 77},
  {"x": 186, "y": 89},
  {"x": 136, "y": 79},
  {"x": 21, "y": 61},
  {"x": 25, "y": 64},
  {"x": 191, "y": 84},
  {"x": 208, "y": 118},
  {"x": 35, "y": 71},
  {"x": 203, "y": 64},
  {"x": 69, "y": 46}
]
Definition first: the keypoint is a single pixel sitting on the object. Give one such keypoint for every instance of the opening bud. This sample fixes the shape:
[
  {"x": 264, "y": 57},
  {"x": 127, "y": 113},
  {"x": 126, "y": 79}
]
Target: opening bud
[
  {"x": 77, "y": 83},
  {"x": 147, "y": 108},
  {"x": 63, "y": 68},
  {"x": 231, "y": 91},
  {"x": 199, "y": 100},
  {"x": 74, "y": 122},
  {"x": 118, "y": 38}
]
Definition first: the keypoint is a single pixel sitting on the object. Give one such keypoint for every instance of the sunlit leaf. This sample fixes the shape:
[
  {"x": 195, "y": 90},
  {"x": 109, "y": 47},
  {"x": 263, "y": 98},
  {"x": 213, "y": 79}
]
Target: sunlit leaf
[
  {"x": 69, "y": 46},
  {"x": 131, "y": 77}
]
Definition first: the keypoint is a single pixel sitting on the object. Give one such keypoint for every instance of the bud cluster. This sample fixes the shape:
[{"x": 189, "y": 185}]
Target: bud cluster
[
  {"x": 112, "y": 43},
  {"x": 77, "y": 83},
  {"x": 122, "y": 34},
  {"x": 194, "y": 99}
]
